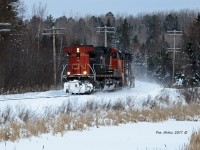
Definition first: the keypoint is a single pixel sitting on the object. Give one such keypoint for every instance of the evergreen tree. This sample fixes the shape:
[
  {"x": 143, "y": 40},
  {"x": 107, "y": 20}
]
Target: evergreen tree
[
  {"x": 50, "y": 21},
  {"x": 193, "y": 50},
  {"x": 170, "y": 23},
  {"x": 124, "y": 35},
  {"x": 9, "y": 42},
  {"x": 8, "y": 11},
  {"x": 192, "y": 63},
  {"x": 110, "y": 16},
  {"x": 9, "y": 14},
  {"x": 135, "y": 43},
  {"x": 153, "y": 25},
  {"x": 155, "y": 46}
]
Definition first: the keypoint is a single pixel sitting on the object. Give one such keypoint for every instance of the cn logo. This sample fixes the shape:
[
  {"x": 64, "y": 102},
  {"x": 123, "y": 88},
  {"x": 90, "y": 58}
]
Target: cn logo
[{"x": 79, "y": 66}]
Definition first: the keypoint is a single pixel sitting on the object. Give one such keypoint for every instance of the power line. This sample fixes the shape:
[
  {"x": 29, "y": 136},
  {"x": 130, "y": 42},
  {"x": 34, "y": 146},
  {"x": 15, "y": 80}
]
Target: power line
[
  {"x": 4, "y": 27},
  {"x": 53, "y": 32},
  {"x": 174, "y": 49},
  {"x": 105, "y": 31}
]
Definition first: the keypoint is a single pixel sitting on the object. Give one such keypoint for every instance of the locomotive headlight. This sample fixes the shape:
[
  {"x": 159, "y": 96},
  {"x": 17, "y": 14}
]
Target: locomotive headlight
[
  {"x": 85, "y": 72},
  {"x": 78, "y": 50},
  {"x": 68, "y": 73}
]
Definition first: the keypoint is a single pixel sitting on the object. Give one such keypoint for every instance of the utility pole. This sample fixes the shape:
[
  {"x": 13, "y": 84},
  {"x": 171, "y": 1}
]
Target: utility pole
[
  {"x": 53, "y": 32},
  {"x": 106, "y": 30},
  {"x": 174, "y": 49}
]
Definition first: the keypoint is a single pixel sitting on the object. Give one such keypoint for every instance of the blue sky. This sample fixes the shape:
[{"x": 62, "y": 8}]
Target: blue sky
[{"x": 59, "y": 8}]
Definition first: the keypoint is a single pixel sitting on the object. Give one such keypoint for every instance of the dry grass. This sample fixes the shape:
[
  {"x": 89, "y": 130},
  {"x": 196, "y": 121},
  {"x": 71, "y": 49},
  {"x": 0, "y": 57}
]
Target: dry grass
[
  {"x": 25, "y": 123},
  {"x": 191, "y": 94},
  {"x": 194, "y": 142}
]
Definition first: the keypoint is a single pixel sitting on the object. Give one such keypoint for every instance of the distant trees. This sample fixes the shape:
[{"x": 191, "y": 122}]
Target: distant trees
[{"x": 26, "y": 56}]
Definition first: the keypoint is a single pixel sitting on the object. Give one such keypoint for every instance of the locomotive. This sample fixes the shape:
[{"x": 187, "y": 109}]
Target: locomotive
[{"x": 92, "y": 68}]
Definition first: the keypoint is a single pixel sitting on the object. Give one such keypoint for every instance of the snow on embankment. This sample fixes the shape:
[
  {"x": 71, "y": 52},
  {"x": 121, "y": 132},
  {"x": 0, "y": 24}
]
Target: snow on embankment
[
  {"x": 168, "y": 134},
  {"x": 143, "y": 94}
]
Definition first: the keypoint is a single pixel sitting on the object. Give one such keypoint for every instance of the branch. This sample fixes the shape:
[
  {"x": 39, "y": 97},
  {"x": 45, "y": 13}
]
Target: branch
[{"x": 197, "y": 44}]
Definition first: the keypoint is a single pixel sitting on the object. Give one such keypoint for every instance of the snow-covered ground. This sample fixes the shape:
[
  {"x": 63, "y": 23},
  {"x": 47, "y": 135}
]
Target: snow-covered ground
[
  {"x": 167, "y": 135},
  {"x": 142, "y": 92},
  {"x": 134, "y": 136}
]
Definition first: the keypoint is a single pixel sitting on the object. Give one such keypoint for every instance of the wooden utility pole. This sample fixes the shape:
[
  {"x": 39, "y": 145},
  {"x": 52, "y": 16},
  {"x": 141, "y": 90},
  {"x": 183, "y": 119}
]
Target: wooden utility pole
[
  {"x": 53, "y": 32},
  {"x": 105, "y": 31},
  {"x": 174, "y": 50}
]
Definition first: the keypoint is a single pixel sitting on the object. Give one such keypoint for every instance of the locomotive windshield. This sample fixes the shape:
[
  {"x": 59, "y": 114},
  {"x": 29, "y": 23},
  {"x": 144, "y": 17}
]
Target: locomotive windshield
[{"x": 114, "y": 55}]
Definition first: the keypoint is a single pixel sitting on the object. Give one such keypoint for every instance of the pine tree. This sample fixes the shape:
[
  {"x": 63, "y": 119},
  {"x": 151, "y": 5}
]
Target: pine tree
[
  {"x": 193, "y": 50},
  {"x": 50, "y": 21},
  {"x": 170, "y": 23},
  {"x": 8, "y": 11},
  {"x": 124, "y": 35},
  {"x": 9, "y": 43}
]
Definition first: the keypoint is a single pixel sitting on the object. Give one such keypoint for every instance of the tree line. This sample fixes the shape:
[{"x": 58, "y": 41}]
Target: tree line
[{"x": 26, "y": 55}]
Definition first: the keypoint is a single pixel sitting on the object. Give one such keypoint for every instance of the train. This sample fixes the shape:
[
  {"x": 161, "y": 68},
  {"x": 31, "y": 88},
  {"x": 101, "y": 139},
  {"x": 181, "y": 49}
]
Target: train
[{"x": 96, "y": 68}]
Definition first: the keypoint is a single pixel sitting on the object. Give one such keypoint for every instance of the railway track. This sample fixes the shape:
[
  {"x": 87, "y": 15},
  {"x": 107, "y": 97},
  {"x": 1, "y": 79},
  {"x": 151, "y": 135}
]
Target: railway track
[{"x": 29, "y": 98}]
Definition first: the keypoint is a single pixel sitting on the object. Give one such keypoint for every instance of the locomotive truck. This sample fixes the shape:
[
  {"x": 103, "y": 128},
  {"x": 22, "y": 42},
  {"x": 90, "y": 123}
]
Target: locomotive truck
[{"x": 92, "y": 68}]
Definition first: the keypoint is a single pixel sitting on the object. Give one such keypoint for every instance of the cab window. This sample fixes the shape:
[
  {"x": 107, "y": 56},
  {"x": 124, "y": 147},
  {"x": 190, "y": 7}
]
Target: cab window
[{"x": 114, "y": 55}]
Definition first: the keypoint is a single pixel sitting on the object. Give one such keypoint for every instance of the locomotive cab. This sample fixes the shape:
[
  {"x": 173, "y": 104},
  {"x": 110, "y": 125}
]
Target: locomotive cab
[
  {"x": 78, "y": 73},
  {"x": 78, "y": 60}
]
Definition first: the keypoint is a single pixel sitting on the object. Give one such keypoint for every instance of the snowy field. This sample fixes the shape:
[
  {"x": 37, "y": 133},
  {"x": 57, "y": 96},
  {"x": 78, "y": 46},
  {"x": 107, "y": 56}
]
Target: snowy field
[
  {"x": 167, "y": 135},
  {"x": 136, "y": 136},
  {"x": 142, "y": 92}
]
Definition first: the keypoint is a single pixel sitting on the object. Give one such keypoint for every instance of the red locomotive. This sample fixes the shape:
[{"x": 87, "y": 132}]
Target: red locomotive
[{"x": 92, "y": 68}]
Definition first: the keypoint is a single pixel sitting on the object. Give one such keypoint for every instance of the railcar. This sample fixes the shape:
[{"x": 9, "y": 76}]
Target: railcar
[{"x": 92, "y": 68}]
